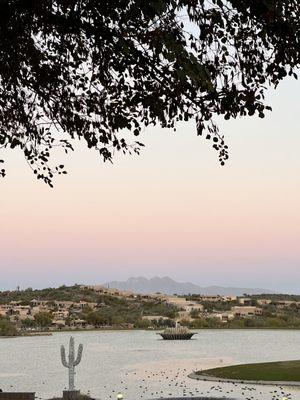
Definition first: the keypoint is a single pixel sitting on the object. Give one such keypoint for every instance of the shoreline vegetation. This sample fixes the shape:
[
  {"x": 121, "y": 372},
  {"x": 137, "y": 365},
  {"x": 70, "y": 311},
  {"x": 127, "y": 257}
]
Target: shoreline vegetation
[
  {"x": 119, "y": 329},
  {"x": 86, "y": 308},
  {"x": 279, "y": 372},
  {"x": 78, "y": 397}
]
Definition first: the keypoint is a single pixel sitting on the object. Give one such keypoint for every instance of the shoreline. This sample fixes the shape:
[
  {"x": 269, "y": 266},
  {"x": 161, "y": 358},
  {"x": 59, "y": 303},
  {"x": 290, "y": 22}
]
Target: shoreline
[
  {"x": 210, "y": 378},
  {"x": 191, "y": 329},
  {"x": 162, "y": 329},
  {"x": 49, "y": 333}
]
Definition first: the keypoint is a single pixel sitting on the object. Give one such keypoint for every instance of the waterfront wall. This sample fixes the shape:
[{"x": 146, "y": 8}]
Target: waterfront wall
[{"x": 17, "y": 396}]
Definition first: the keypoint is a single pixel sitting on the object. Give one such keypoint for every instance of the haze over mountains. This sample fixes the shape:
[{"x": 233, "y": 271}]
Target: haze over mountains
[{"x": 167, "y": 285}]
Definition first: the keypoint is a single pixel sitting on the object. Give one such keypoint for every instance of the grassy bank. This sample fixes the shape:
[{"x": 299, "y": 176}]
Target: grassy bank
[{"x": 272, "y": 371}]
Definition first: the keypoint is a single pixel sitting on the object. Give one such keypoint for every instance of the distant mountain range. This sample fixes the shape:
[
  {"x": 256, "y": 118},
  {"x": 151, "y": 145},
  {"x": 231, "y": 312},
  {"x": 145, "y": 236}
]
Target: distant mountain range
[{"x": 167, "y": 285}]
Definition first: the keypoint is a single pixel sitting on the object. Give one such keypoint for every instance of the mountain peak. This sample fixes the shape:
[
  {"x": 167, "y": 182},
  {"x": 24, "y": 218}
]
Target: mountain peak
[{"x": 167, "y": 285}]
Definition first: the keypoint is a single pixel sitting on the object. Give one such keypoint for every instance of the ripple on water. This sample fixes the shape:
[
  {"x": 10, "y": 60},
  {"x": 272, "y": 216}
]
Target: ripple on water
[{"x": 143, "y": 367}]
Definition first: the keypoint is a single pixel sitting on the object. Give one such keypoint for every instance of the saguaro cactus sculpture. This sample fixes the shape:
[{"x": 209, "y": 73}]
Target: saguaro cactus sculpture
[{"x": 72, "y": 363}]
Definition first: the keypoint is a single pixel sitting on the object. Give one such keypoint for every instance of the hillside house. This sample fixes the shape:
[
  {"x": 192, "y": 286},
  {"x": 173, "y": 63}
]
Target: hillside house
[
  {"x": 224, "y": 316},
  {"x": 245, "y": 312},
  {"x": 37, "y": 303},
  {"x": 211, "y": 298},
  {"x": 264, "y": 302},
  {"x": 245, "y": 301}
]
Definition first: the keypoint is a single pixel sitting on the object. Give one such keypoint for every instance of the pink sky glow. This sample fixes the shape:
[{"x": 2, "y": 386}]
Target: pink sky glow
[{"x": 171, "y": 211}]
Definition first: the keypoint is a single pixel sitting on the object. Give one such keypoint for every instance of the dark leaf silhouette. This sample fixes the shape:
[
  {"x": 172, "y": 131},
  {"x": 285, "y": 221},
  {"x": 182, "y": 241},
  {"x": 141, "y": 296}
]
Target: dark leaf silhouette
[{"x": 95, "y": 70}]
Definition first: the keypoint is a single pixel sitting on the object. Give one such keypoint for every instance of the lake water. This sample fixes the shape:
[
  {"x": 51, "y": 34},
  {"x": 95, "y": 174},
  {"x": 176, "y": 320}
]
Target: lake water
[{"x": 141, "y": 366}]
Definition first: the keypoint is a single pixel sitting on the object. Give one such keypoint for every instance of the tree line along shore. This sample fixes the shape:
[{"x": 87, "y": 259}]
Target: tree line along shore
[{"x": 80, "y": 307}]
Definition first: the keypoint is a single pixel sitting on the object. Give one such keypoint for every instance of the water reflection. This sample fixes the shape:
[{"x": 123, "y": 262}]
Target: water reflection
[{"x": 141, "y": 366}]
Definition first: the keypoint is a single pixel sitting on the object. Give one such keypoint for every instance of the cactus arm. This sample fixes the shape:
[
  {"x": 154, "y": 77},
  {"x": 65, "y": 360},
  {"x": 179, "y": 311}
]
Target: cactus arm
[
  {"x": 79, "y": 355},
  {"x": 63, "y": 357}
]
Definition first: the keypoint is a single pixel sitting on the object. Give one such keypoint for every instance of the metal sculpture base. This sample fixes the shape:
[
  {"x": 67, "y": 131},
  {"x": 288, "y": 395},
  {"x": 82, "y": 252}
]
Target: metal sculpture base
[{"x": 71, "y": 394}]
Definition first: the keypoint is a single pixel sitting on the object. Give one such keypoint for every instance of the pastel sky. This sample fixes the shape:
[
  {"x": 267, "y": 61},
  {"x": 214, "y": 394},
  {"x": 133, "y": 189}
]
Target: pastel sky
[{"x": 173, "y": 210}]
